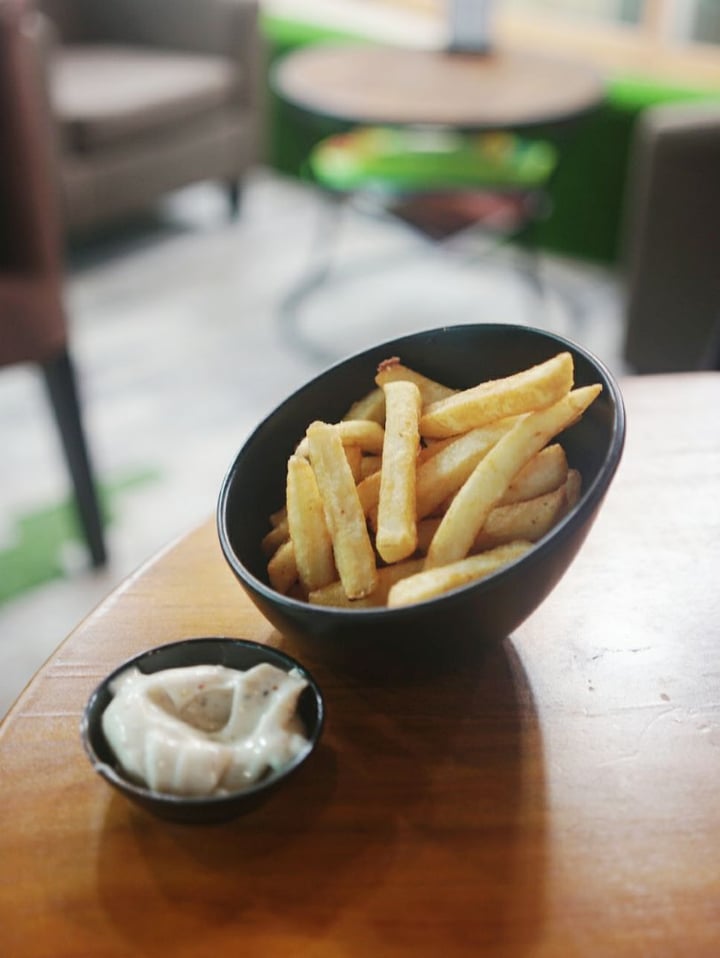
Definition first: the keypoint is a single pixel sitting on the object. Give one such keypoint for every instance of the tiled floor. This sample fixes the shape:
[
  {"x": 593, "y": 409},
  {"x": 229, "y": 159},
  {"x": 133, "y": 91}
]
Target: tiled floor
[{"x": 180, "y": 351}]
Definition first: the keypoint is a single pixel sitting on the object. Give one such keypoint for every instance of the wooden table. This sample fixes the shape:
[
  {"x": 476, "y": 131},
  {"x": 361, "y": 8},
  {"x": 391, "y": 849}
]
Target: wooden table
[
  {"x": 506, "y": 89},
  {"x": 379, "y": 85},
  {"x": 556, "y": 797}
]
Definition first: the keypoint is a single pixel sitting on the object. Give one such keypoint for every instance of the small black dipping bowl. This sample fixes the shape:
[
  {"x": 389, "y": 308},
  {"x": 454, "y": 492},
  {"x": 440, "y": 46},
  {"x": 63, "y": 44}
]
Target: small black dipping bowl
[
  {"x": 458, "y": 356},
  {"x": 234, "y": 654}
]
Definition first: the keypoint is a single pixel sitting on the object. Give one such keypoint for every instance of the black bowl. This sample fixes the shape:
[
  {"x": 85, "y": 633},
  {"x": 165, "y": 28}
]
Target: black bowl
[
  {"x": 458, "y": 356},
  {"x": 235, "y": 654}
]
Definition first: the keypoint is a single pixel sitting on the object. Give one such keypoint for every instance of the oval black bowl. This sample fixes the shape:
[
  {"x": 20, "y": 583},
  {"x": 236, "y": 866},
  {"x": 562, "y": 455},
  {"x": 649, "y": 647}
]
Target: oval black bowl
[
  {"x": 235, "y": 654},
  {"x": 458, "y": 356}
]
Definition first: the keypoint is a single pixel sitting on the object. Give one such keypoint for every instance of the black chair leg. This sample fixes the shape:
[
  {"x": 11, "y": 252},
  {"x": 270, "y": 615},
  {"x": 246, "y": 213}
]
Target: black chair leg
[
  {"x": 61, "y": 385},
  {"x": 234, "y": 192}
]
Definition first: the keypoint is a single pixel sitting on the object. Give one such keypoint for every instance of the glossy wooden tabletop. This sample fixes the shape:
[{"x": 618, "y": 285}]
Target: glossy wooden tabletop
[
  {"x": 555, "y": 795},
  {"x": 373, "y": 84}
]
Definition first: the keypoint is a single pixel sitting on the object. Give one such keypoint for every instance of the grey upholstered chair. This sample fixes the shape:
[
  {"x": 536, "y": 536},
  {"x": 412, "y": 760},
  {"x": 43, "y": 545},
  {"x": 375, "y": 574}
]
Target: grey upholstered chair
[
  {"x": 672, "y": 240},
  {"x": 148, "y": 96}
]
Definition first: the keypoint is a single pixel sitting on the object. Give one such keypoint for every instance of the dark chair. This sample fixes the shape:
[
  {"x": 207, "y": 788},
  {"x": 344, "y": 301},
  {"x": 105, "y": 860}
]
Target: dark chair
[
  {"x": 33, "y": 327},
  {"x": 672, "y": 240}
]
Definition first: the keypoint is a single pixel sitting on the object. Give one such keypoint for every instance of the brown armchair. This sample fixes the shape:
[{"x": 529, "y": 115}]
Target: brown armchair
[
  {"x": 33, "y": 325},
  {"x": 148, "y": 96},
  {"x": 672, "y": 240}
]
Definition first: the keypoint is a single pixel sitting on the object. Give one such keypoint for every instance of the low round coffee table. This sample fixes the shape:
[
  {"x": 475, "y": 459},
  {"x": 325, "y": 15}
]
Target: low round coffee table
[
  {"x": 378, "y": 85},
  {"x": 369, "y": 86}
]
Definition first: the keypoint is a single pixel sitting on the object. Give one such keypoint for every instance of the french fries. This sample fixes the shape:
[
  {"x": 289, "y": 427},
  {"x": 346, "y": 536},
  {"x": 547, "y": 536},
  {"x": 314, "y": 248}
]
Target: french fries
[
  {"x": 430, "y": 583},
  {"x": 352, "y": 549},
  {"x": 371, "y": 407},
  {"x": 354, "y": 456},
  {"x": 282, "y": 568},
  {"x": 334, "y": 594},
  {"x": 545, "y": 472},
  {"x": 422, "y": 488},
  {"x": 369, "y": 436},
  {"x": 528, "y": 519},
  {"x": 307, "y": 527},
  {"x": 493, "y": 474},
  {"x": 396, "y": 536},
  {"x": 392, "y": 371},
  {"x": 532, "y": 389},
  {"x": 369, "y": 465},
  {"x": 444, "y": 473},
  {"x": 275, "y": 538}
]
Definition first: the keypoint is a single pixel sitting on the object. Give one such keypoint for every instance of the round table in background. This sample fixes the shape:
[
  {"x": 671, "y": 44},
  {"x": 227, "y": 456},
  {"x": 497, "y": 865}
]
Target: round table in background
[
  {"x": 368, "y": 85},
  {"x": 382, "y": 85}
]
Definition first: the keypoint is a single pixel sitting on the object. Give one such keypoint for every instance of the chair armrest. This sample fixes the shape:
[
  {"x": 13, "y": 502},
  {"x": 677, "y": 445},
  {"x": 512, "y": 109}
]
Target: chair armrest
[
  {"x": 689, "y": 122},
  {"x": 243, "y": 42}
]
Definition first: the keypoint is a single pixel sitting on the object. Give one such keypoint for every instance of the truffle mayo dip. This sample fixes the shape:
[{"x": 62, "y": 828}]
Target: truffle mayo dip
[{"x": 206, "y": 729}]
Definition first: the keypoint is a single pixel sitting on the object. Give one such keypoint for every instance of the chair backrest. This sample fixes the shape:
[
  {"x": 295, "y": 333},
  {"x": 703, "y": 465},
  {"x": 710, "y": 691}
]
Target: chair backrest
[
  {"x": 671, "y": 242},
  {"x": 32, "y": 320},
  {"x": 175, "y": 24}
]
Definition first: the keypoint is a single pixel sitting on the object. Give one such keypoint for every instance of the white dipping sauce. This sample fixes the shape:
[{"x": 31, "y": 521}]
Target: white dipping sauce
[{"x": 206, "y": 729}]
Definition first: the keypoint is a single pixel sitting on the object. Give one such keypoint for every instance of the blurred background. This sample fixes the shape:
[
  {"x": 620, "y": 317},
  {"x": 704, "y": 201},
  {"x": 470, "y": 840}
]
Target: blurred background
[{"x": 163, "y": 207}]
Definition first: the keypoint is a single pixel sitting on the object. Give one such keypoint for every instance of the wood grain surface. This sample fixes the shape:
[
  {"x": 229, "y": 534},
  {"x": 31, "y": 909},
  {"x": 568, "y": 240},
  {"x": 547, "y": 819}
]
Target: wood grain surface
[
  {"x": 554, "y": 795},
  {"x": 372, "y": 84}
]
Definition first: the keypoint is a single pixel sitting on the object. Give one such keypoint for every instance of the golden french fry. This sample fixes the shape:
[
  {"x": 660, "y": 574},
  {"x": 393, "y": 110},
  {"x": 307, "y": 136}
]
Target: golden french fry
[
  {"x": 282, "y": 568},
  {"x": 573, "y": 488},
  {"x": 367, "y": 435},
  {"x": 489, "y": 481},
  {"x": 354, "y": 455},
  {"x": 529, "y": 520},
  {"x": 396, "y": 524},
  {"x": 443, "y": 474},
  {"x": 426, "y": 529},
  {"x": 432, "y": 447},
  {"x": 307, "y": 527},
  {"x": 392, "y": 370},
  {"x": 277, "y": 517},
  {"x": 433, "y": 582},
  {"x": 369, "y": 465},
  {"x": 353, "y": 551},
  {"x": 334, "y": 594},
  {"x": 546, "y": 471},
  {"x": 527, "y": 391},
  {"x": 275, "y": 538},
  {"x": 368, "y": 491},
  {"x": 297, "y": 591},
  {"x": 371, "y": 406}
]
